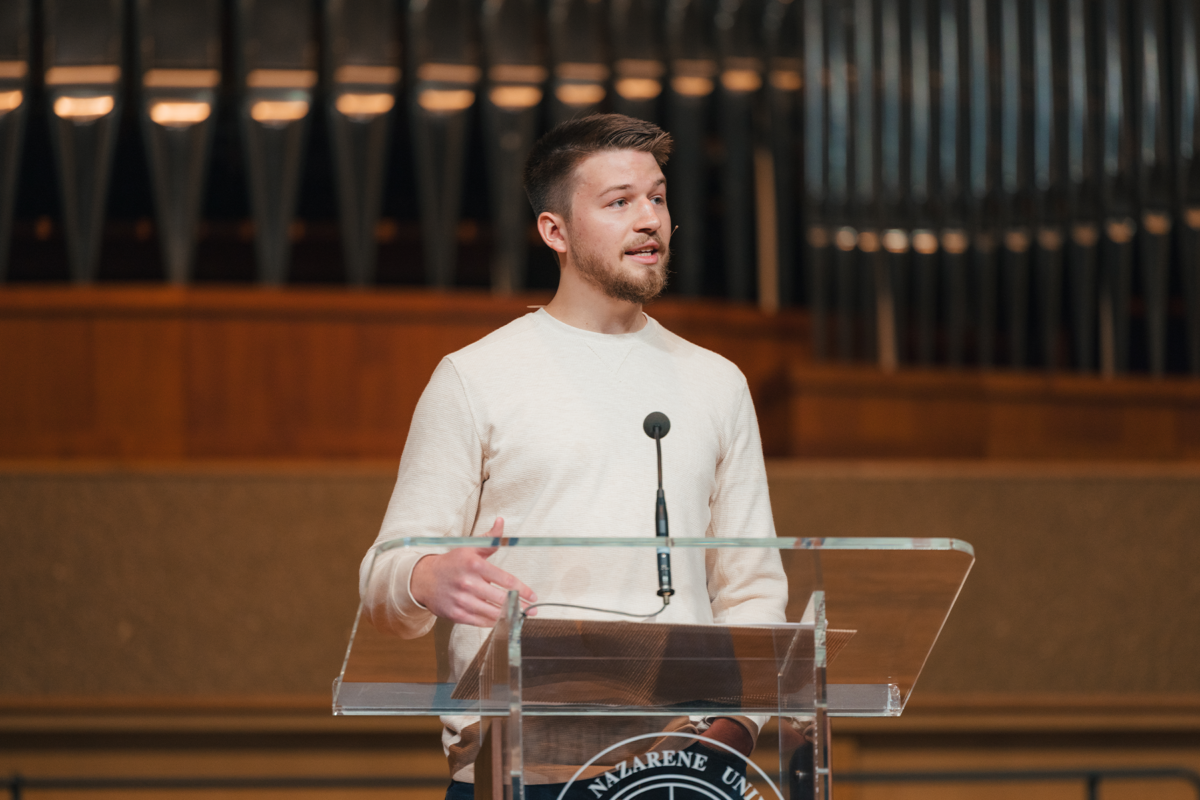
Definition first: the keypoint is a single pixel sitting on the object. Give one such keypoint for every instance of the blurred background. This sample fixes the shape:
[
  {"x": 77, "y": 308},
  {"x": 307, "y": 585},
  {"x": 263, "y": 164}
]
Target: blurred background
[{"x": 954, "y": 245}]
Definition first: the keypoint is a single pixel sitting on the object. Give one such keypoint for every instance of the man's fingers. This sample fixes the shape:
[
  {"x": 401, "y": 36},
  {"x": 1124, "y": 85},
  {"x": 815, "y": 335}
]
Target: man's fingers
[
  {"x": 476, "y": 611},
  {"x": 493, "y": 574},
  {"x": 474, "y": 589},
  {"x": 495, "y": 595},
  {"x": 480, "y": 602}
]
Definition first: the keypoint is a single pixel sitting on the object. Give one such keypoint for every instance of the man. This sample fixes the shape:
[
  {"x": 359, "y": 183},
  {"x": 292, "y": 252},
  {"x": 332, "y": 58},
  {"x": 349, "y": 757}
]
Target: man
[{"x": 536, "y": 430}]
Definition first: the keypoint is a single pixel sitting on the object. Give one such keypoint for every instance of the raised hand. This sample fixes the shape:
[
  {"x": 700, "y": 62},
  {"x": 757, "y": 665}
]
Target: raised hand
[{"x": 463, "y": 586}]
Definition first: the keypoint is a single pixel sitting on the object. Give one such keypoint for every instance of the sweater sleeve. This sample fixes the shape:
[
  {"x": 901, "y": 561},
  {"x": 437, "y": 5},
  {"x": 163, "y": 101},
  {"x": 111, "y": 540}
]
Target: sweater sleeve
[
  {"x": 436, "y": 494},
  {"x": 746, "y": 586}
]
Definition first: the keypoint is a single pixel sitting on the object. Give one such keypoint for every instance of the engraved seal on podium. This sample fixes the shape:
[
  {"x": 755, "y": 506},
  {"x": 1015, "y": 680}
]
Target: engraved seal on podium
[{"x": 699, "y": 769}]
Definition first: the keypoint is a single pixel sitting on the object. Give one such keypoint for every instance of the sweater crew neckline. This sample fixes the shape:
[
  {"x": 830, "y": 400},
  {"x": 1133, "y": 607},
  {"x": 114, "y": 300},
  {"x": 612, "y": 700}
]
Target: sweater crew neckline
[{"x": 647, "y": 331}]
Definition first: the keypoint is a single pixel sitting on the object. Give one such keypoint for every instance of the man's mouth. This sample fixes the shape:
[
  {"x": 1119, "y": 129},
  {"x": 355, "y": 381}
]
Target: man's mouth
[{"x": 644, "y": 254}]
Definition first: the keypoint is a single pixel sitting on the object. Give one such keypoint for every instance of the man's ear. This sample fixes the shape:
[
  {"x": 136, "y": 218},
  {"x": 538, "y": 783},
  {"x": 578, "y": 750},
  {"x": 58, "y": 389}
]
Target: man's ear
[{"x": 553, "y": 231}]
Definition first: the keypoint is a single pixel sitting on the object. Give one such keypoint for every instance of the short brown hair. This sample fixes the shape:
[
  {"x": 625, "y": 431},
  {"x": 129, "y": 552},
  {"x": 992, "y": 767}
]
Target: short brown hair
[{"x": 555, "y": 156}]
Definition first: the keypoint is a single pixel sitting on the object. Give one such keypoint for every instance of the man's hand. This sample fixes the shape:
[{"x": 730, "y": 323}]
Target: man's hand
[
  {"x": 731, "y": 732},
  {"x": 463, "y": 586}
]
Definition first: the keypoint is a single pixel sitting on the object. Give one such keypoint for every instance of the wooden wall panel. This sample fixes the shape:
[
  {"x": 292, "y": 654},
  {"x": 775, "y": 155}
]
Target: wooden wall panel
[
  {"x": 250, "y": 373},
  {"x": 83, "y": 386},
  {"x": 138, "y": 383},
  {"x": 161, "y": 373},
  {"x": 45, "y": 369},
  {"x": 862, "y": 413}
]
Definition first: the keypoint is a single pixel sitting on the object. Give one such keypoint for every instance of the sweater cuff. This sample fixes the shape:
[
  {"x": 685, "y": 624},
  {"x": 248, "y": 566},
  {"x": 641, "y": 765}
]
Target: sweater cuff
[
  {"x": 408, "y": 585},
  {"x": 753, "y": 723},
  {"x": 387, "y": 600}
]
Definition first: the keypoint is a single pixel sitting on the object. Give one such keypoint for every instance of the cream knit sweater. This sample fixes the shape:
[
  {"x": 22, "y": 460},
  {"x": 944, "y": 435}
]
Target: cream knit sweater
[{"x": 541, "y": 423}]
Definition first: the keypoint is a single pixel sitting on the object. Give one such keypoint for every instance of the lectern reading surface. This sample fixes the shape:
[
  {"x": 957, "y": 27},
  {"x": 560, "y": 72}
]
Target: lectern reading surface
[{"x": 612, "y": 706}]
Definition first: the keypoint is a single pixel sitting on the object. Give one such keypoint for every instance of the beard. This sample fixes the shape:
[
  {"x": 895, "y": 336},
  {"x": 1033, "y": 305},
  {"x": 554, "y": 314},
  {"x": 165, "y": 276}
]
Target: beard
[{"x": 640, "y": 285}]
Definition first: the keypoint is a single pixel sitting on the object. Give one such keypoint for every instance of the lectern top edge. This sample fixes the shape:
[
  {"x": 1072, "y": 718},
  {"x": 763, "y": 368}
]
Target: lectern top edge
[{"x": 780, "y": 543}]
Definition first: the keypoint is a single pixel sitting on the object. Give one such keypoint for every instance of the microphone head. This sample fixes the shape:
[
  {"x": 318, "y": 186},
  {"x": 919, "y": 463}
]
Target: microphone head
[{"x": 656, "y": 419}]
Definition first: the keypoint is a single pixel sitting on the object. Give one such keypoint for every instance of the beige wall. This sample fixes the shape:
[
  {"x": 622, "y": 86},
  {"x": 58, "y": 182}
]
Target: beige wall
[
  {"x": 206, "y": 581},
  {"x": 1087, "y": 578}
]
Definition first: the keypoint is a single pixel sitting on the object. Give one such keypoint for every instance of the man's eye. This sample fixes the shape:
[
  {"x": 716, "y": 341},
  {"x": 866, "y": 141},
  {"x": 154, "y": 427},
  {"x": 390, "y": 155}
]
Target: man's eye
[
  {"x": 660, "y": 200},
  {"x": 620, "y": 202}
]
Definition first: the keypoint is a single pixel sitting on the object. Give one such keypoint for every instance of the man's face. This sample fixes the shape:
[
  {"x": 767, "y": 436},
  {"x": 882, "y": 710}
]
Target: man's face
[{"x": 619, "y": 228}]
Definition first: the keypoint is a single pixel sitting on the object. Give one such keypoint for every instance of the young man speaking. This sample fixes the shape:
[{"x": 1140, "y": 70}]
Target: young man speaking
[{"x": 536, "y": 430}]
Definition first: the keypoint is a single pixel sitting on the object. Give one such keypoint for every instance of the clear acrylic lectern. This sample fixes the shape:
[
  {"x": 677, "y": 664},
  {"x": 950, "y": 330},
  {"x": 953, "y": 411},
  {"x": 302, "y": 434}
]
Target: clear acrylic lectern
[{"x": 613, "y": 706}]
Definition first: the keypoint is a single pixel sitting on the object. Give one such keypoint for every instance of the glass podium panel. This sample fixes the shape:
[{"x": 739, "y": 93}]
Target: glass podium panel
[
  {"x": 826, "y": 627},
  {"x": 890, "y": 597}
]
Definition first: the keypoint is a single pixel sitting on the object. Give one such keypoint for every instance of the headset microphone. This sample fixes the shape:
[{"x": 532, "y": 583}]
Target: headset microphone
[{"x": 656, "y": 426}]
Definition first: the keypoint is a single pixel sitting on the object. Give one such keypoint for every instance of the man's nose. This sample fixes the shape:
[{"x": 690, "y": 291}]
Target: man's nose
[{"x": 648, "y": 218}]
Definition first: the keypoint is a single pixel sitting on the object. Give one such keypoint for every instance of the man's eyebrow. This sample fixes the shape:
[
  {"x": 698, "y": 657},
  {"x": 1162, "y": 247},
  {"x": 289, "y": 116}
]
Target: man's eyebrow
[{"x": 626, "y": 186}]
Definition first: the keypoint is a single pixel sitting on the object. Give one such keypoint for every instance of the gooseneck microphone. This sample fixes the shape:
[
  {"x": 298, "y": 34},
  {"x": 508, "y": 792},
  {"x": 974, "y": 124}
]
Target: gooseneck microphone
[{"x": 656, "y": 426}]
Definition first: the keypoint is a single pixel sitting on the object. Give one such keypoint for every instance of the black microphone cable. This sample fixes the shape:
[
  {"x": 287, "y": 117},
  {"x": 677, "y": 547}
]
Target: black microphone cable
[{"x": 526, "y": 610}]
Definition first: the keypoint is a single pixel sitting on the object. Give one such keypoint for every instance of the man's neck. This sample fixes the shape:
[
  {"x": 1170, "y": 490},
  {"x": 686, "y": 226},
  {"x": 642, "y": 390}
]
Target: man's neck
[{"x": 581, "y": 304}]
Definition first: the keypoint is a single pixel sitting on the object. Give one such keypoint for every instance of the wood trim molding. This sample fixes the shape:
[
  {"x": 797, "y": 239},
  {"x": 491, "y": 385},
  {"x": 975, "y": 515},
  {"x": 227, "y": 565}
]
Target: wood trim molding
[{"x": 1006, "y": 714}]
